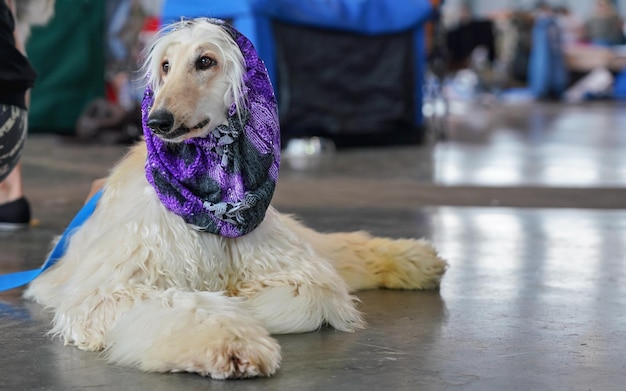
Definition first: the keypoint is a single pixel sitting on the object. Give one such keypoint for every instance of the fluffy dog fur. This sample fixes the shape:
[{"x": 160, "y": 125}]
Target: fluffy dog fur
[{"x": 141, "y": 285}]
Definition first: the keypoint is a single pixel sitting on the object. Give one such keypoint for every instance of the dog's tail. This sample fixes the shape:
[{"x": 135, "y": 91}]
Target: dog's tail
[{"x": 367, "y": 262}]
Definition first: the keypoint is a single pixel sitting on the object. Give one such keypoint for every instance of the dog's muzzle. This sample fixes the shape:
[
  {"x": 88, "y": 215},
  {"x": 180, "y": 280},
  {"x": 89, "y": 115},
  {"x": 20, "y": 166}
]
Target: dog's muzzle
[{"x": 160, "y": 122}]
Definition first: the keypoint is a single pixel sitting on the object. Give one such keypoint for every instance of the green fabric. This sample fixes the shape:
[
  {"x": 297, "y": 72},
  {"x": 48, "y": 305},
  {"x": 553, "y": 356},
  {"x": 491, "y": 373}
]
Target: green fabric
[{"x": 68, "y": 55}]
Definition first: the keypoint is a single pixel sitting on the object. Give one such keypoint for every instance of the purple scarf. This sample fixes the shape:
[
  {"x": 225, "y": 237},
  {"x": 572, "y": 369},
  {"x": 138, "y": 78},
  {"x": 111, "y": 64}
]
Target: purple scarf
[{"x": 222, "y": 183}]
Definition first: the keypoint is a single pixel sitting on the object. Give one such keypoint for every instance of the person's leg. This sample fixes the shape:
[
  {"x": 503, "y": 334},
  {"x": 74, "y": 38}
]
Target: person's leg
[
  {"x": 11, "y": 188},
  {"x": 14, "y": 208},
  {"x": 13, "y": 128}
]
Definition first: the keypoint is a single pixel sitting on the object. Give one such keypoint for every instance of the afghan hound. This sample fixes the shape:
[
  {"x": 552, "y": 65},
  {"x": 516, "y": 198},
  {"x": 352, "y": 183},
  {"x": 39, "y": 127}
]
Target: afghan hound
[{"x": 184, "y": 265}]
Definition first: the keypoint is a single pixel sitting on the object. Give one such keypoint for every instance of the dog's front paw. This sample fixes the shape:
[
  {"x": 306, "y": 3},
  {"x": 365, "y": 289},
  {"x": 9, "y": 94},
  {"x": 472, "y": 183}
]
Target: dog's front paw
[
  {"x": 242, "y": 358},
  {"x": 198, "y": 332},
  {"x": 221, "y": 351}
]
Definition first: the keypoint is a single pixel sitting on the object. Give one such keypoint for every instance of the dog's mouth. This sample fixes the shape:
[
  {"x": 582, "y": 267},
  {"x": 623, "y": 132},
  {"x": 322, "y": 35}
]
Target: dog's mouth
[{"x": 179, "y": 133}]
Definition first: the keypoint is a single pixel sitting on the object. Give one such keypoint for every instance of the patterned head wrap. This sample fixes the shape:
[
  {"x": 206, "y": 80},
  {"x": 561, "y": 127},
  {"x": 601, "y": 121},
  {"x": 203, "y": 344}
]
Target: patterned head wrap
[{"x": 222, "y": 183}]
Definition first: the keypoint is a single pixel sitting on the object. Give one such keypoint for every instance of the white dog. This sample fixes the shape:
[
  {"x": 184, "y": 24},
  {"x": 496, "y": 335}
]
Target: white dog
[{"x": 153, "y": 291}]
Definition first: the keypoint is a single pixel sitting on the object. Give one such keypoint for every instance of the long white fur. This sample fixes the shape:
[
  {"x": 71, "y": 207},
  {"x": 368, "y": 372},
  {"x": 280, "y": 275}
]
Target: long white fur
[{"x": 141, "y": 285}]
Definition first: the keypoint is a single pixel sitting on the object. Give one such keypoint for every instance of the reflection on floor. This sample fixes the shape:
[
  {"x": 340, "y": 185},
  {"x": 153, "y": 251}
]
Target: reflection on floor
[
  {"x": 528, "y": 205},
  {"x": 546, "y": 144}
]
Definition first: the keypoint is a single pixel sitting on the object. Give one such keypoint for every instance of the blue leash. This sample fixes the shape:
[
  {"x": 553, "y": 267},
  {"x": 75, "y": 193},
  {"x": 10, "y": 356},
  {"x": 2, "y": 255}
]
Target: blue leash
[{"x": 17, "y": 279}]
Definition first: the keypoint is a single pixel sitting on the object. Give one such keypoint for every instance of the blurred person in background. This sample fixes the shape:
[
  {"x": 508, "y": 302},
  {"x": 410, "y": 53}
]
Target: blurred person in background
[
  {"x": 605, "y": 26},
  {"x": 571, "y": 26},
  {"x": 17, "y": 76}
]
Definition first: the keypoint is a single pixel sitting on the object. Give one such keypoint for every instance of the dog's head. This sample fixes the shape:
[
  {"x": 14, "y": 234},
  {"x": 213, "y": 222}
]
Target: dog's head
[{"x": 196, "y": 70}]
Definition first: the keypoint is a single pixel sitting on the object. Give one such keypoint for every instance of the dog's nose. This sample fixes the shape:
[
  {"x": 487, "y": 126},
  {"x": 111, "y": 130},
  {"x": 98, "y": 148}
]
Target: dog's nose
[{"x": 160, "y": 121}]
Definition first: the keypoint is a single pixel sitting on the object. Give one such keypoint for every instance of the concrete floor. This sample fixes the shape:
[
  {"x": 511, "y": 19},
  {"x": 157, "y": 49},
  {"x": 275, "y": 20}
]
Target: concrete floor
[{"x": 527, "y": 203}]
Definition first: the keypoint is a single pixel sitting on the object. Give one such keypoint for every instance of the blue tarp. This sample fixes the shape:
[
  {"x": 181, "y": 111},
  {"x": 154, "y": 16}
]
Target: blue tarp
[
  {"x": 359, "y": 16},
  {"x": 253, "y": 18}
]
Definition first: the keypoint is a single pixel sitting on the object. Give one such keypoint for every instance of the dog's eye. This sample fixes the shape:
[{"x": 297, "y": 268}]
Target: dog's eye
[
  {"x": 205, "y": 62},
  {"x": 165, "y": 67}
]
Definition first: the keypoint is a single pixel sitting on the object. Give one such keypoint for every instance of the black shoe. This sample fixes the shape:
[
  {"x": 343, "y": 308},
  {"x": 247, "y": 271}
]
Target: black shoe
[{"x": 14, "y": 215}]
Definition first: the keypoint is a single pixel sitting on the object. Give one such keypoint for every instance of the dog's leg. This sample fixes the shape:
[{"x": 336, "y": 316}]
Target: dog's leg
[
  {"x": 288, "y": 286},
  {"x": 158, "y": 330},
  {"x": 115, "y": 306},
  {"x": 202, "y": 332},
  {"x": 297, "y": 301},
  {"x": 368, "y": 262}
]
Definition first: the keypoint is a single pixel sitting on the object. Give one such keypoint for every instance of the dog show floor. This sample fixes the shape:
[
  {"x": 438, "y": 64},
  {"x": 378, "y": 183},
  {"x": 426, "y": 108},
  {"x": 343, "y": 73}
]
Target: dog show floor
[{"x": 526, "y": 203}]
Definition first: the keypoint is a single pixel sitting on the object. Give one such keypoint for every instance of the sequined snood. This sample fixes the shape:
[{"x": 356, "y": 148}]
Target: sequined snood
[{"x": 222, "y": 183}]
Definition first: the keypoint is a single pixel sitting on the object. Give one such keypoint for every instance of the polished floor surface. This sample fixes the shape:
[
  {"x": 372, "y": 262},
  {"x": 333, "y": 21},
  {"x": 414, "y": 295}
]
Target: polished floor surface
[{"x": 527, "y": 204}]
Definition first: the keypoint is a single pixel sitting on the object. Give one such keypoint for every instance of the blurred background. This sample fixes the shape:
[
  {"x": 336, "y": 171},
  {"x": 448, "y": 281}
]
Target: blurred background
[{"x": 411, "y": 64}]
